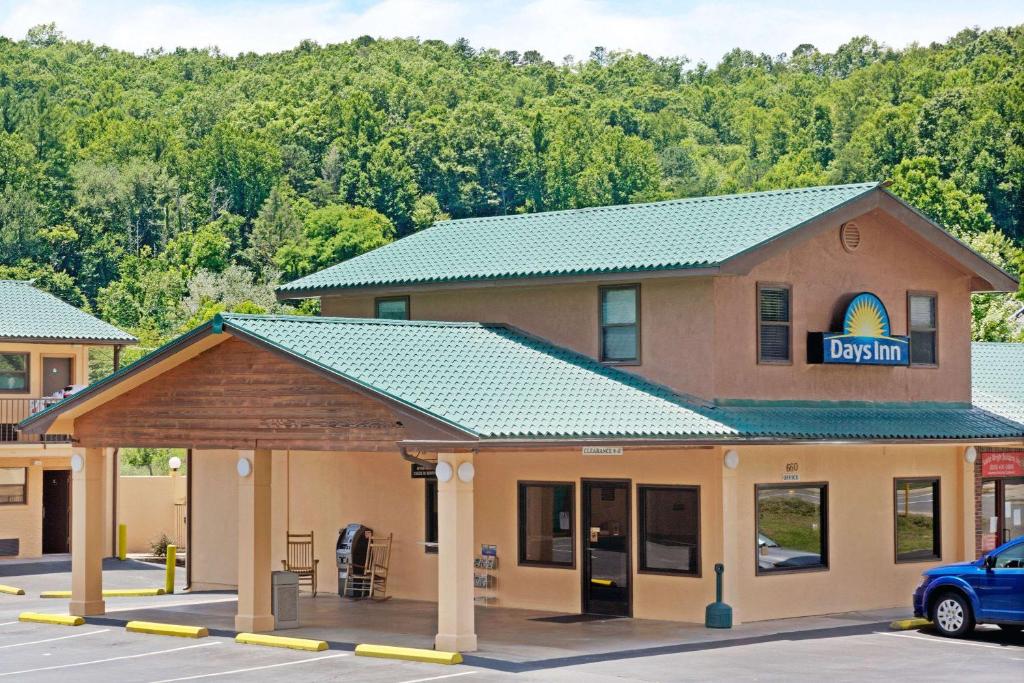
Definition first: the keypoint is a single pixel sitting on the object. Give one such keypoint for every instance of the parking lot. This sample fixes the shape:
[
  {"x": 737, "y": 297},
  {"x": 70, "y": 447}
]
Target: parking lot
[{"x": 840, "y": 648}]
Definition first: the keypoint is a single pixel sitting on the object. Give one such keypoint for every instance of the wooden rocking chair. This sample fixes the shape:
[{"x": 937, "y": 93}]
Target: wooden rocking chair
[
  {"x": 300, "y": 558},
  {"x": 373, "y": 582}
]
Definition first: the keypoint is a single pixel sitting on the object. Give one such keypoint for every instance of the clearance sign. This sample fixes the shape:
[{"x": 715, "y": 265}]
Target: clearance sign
[{"x": 866, "y": 338}]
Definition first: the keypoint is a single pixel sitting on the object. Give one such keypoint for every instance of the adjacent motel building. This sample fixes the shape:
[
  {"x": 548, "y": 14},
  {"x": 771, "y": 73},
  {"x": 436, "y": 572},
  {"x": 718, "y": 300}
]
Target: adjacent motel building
[
  {"x": 609, "y": 401},
  {"x": 44, "y": 353}
]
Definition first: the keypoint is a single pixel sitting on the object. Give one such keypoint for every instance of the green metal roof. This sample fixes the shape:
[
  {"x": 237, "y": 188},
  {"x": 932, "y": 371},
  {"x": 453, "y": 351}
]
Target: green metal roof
[
  {"x": 997, "y": 378},
  {"x": 677, "y": 234},
  {"x": 28, "y": 313},
  {"x": 499, "y": 383},
  {"x": 495, "y": 382}
]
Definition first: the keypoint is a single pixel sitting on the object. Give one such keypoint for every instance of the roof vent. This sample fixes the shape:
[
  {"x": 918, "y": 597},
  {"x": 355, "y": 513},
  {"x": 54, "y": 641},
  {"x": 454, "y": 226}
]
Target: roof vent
[{"x": 849, "y": 235}]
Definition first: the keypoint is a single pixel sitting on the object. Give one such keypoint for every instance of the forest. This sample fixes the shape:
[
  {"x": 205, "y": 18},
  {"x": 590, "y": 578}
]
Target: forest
[{"x": 157, "y": 189}]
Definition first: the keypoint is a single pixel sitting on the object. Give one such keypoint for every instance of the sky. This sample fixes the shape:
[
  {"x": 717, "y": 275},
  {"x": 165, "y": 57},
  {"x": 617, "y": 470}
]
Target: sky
[{"x": 699, "y": 29}]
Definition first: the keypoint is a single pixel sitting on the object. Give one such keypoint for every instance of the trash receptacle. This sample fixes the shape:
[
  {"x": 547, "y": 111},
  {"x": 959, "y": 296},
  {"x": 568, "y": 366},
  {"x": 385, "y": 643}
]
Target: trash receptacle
[{"x": 284, "y": 600}]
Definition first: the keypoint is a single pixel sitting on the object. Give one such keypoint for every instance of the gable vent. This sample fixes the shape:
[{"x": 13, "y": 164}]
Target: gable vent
[{"x": 849, "y": 235}]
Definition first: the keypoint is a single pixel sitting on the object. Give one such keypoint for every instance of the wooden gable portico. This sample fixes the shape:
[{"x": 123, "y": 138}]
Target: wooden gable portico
[{"x": 220, "y": 390}]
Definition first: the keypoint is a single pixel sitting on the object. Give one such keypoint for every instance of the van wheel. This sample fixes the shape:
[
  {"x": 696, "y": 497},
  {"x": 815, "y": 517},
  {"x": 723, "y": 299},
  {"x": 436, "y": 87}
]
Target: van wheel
[{"x": 952, "y": 615}]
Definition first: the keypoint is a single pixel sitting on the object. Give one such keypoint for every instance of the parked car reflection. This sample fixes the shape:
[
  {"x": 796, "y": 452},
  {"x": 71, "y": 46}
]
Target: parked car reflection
[{"x": 773, "y": 556}]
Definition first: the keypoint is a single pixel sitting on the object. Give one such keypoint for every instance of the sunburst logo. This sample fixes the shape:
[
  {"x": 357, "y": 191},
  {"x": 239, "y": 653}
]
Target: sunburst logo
[{"x": 866, "y": 317}]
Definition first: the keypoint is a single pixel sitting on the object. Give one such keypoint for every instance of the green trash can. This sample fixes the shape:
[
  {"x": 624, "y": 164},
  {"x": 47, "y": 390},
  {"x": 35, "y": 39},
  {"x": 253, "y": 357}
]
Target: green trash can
[{"x": 718, "y": 614}]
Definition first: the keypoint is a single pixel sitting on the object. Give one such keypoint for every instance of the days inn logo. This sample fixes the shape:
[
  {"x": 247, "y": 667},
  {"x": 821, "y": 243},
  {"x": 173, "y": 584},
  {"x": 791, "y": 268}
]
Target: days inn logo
[{"x": 866, "y": 338}]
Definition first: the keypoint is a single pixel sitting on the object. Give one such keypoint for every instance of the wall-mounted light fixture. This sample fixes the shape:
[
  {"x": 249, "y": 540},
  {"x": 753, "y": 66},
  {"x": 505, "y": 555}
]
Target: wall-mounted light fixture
[
  {"x": 443, "y": 471},
  {"x": 466, "y": 472},
  {"x": 732, "y": 459},
  {"x": 971, "y": 455},
  {"x": 244, "y": 467},
  {"x": 77, "y": 463}
]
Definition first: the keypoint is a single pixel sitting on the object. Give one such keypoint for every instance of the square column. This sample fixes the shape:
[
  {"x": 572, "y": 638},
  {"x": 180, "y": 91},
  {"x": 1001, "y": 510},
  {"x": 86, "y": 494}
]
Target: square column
[
  {"x": 456, "y": 627},
  {"x": 731, "y": 536},
  {"x": 970, "y": 495},
  {"x": 254, "y": 469},
  {"x": 88, "y": 530}
]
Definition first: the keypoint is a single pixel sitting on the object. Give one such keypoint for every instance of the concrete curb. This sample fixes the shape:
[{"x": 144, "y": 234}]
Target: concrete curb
[
  {"x": 11, "y": 590},
  {"x": 111, "y": 593},
  {"x": 408, "y": 653},
  {"x": 176, "y": 630},
  {"x": 58, "y": 619},
  {"x": 281, "y": 641},
  {"x": 908, "y": 624}
]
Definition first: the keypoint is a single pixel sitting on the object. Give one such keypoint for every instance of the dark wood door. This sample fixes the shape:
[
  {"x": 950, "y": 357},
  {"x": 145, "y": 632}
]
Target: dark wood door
[
  {"x": 56, "y": 374},
  {"x": 56, "y": 511},
  {"x": 606, "y": 548}
]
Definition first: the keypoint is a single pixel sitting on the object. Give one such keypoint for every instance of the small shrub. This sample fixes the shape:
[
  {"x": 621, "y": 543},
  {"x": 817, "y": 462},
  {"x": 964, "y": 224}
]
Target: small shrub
[{"x": 159, "y": 546}]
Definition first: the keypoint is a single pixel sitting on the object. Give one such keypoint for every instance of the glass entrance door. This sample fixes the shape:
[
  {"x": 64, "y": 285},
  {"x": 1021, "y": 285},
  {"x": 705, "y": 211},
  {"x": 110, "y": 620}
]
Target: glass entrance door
[
  {"x": 606, "y": 548},
  {"x": 1013, "y": 509},
  {"x": 1002, "y": 511}
]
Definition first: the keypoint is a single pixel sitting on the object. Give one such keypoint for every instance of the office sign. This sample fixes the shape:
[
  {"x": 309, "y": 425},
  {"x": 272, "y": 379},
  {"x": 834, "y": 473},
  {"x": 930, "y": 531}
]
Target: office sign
[
  {"x": 1002, "y": 463},
  {"x": 866, "y": 338}
]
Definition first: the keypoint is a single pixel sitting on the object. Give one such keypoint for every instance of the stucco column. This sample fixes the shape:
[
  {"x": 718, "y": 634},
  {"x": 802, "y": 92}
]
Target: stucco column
[
  {"x": 731, "y": 535},
  {"x": 456, "y": 627},
  {"x": 967, "y": 503},
  {"x": 88, "y": 530},
  {"x": 254, "y": 469}
]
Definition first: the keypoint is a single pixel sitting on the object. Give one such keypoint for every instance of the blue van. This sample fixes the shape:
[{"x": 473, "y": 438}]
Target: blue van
[{"x": 955, "y": 597}]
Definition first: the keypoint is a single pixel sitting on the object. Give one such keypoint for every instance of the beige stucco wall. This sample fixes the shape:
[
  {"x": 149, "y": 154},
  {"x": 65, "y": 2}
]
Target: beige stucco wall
[
  {"x": 323, "y": 491},
  {"x": 862, "y": 571},
  {"x": 79, "y": 366},
  {"x": 25, "y": 522},
  {"x": 698, "y": 334},
  {"x": 146, "y": 507},
  {"x": 890, "y": 262}
]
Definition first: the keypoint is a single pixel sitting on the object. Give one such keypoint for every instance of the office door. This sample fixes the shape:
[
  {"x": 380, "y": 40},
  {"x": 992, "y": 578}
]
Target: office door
[{"x": 606, "y": 548}]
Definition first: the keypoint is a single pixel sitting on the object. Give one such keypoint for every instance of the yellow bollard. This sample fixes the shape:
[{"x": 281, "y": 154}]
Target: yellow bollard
[
  {"x": 122, "y": 542},
  {"x": 172, "y": 552}
]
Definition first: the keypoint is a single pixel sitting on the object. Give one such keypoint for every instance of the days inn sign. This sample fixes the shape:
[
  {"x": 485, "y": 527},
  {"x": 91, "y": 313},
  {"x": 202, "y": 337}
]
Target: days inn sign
[{"x": 865, "y": 340}]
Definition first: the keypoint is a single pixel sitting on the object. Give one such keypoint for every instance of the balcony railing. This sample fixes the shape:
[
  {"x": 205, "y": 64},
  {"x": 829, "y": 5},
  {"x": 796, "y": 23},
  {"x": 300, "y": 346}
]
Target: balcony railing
[{"x": 14, "y": 410}]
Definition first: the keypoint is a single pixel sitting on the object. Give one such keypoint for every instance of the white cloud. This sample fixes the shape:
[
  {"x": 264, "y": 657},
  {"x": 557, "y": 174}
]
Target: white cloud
[{"x": 699, "y": 29}]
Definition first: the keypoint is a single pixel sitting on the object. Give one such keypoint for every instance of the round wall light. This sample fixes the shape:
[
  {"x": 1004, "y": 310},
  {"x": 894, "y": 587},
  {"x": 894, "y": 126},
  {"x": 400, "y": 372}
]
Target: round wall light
[
  {"x": 443, "y": 471},
  {"x": 77, "y": 463},
  {"x": 244, "y": 467},
  {"x": 732, "y": 459},
  {"x": 174, "y": 462},
  {"x": 971, "y": 455},
  {"x": 466, "y": 472}
]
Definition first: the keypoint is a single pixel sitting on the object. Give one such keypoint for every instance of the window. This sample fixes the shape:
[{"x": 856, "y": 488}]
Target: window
[
  {"x": 1011, "y": 558},
  {"x": 923, "y": 345},
  {"x": 792, "y": 529},
  {"x": 670, "y": 529},
  {"x": 546, "y": 512},
  {"x": 13, "y": 372},
  {"x": 620, "y": 324},
  {"x": 917, "y": 520},
  {"x": 430, "y": 518},
  {"x": 12, "y": 485},
  {"x": 393, "y": 308},
  {"x": 774, "y": 324}
]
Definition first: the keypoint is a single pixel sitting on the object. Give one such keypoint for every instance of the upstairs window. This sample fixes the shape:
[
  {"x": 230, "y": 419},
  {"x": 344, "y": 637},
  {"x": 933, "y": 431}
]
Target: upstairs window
[
  {"x": 923, "y": 328},
  {"x": 13, "y": 372},
  {"x": 620, "y": 324},
  {"x": 774, "y": 324},
  {"x": 393, "y": 308}
]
